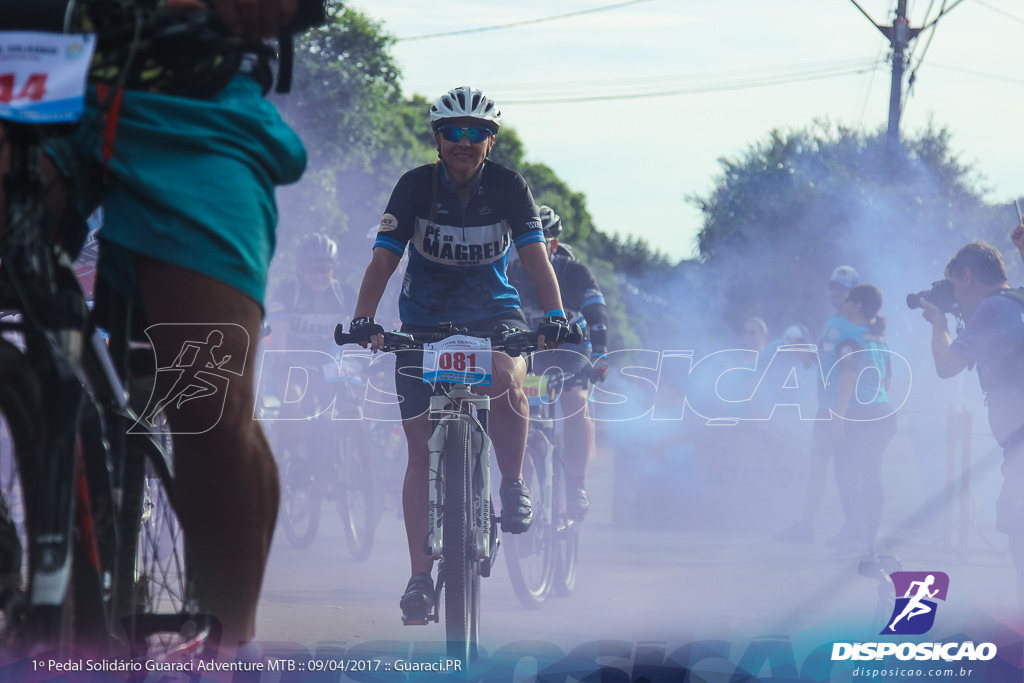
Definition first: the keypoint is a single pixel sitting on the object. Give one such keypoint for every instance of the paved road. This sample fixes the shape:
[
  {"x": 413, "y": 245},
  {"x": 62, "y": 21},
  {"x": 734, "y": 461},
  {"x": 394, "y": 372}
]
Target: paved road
[{"x": 643, "y": 596}]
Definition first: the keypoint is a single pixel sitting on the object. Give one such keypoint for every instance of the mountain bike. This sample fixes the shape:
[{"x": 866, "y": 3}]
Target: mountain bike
[
  {"x": 90, "y": 553},
  {"x": 325, "y": 455},
  {"x": 544, "y": 560},
  {"x": 463, "y": 531}
]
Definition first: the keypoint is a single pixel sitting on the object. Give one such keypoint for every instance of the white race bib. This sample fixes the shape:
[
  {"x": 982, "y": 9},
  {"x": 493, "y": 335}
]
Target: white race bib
[
  {"x": 459, "y": 359},
  {"x": 43, "y": 76}
]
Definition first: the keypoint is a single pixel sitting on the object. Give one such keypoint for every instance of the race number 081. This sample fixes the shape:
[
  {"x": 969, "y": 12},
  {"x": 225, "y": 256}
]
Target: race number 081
[{"x": 457, "y": 361}]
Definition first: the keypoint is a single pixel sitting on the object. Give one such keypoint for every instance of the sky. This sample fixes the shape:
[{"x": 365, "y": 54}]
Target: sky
[{"x": 664, "y": 89}]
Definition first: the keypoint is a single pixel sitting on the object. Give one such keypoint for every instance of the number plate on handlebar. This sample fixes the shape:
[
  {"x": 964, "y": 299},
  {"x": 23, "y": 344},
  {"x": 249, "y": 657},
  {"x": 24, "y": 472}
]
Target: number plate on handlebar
[
  {"x": 43, "y": 75},
  {"x": 459, "y": 359}
]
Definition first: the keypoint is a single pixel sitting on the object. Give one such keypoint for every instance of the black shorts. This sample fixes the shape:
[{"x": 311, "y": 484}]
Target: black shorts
[{"x": 413, "y": 393}]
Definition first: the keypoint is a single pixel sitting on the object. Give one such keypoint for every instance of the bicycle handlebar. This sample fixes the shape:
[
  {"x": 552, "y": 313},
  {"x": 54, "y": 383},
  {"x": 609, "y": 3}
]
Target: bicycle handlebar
[{"x": 512, "y": 342}]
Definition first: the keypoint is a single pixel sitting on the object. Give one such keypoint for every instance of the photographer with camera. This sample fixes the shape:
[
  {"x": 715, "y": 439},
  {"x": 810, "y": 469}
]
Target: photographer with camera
[{"x": 990, "y": 337}]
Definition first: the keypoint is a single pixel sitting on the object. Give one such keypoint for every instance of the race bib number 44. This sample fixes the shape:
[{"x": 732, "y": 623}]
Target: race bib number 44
[
  {"x": 43, "y": 76},
  {"x": 459, "y": 359}
]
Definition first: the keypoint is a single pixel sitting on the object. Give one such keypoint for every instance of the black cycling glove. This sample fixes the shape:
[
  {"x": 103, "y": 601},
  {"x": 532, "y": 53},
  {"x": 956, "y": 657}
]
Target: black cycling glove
[
  {"x": 557, "y": 329},
  {"x": 364, "y": 328}
]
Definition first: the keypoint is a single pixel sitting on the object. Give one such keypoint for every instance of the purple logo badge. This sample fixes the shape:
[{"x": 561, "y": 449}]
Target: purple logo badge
[{"x": 916, "y": 593}]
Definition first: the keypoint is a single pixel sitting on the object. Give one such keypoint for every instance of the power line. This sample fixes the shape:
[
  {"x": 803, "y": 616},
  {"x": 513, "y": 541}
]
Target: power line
[
  {"x": 924, "y": 51},
  {"x": 941, "y": 14},
  {"x": 1000, "y": 11},
  {"x": 1007, "y": 79},
  {"x": 867, "y": 90},
  {"x": 668, "y": 81},
  {"x": 525, "y": 22},
  {"x": 782, "y": 80}
]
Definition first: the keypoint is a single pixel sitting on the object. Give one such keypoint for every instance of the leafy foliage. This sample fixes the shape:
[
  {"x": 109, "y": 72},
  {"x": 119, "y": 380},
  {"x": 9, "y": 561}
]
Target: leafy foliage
[{"x": 800, "y": 203}]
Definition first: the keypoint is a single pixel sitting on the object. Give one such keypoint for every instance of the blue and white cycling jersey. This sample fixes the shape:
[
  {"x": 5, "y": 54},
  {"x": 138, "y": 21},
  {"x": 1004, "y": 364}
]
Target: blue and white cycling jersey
[{"x": 458, "y": 255}]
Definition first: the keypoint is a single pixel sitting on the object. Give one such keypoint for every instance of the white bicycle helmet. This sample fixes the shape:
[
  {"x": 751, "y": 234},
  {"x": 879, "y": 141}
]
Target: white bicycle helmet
[
  {"x": 316, "y": 247},
  {"x": 550, "y": 223},
  {"x": 465, "y": 103}
]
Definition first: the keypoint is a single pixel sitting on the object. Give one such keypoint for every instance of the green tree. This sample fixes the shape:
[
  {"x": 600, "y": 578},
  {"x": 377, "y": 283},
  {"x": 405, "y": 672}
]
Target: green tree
[
  {"x": 802, "y": 202},
  {"x": 361, "y": 134}
]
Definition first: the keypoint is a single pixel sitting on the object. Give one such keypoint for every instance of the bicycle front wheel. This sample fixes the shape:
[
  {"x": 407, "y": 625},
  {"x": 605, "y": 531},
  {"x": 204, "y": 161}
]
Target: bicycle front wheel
[
  {"x": 566, "y": 536},
  {"x": 300, "y": 498},
  {"x": 156, "y": 583},
  {"x": 461, "y": 578},
  {"x": 531, "y": 557}
]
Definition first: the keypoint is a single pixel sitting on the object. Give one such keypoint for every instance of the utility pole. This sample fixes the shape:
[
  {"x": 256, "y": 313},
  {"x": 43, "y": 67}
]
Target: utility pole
[{"x": 899, "y": 34}]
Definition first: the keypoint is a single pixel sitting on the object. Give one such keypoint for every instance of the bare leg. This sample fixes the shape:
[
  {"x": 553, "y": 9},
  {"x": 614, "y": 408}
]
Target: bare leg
[
  {"x": 415, "y": 494},
  {"x": 510, "y": 412},
  {"x": 579, "y": 431},
  {"x": 226, "y": 477}
]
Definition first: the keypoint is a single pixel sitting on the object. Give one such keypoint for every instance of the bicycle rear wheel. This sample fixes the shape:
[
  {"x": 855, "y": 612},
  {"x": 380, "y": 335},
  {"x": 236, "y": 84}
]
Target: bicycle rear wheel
[
  {"x": 531, "y": 557},
  {"x": 354, "y": 490},
  {"x": 461, "y": 579},
  {"x": 566, "y": 535}
]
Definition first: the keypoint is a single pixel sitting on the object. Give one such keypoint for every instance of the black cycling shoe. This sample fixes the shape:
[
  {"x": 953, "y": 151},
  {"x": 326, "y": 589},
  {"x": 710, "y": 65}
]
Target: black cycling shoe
[
  {"x": 418, "y": 600},
  {"x": 516, "y": 509},
  {"x": 577, "y": 503}
]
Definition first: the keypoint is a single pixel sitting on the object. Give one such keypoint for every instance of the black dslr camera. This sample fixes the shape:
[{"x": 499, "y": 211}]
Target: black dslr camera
[{"x": 940, "y": 295}]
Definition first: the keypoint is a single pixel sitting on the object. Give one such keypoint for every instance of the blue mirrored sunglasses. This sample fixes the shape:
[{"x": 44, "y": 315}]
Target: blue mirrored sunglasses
[{"x": 455, "y": 133}]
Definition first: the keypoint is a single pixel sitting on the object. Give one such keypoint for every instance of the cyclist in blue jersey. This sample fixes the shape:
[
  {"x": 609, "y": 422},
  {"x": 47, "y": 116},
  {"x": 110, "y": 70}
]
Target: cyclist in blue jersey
[
  {"x": 864, "y": 421},
  {"x": 837, "y": 327},
  {"x": 990, "y": 338},
  {"x": 458, "y": 219},
  {"x": 584, "y": 303},
  {"x": 187, "y": 184}
]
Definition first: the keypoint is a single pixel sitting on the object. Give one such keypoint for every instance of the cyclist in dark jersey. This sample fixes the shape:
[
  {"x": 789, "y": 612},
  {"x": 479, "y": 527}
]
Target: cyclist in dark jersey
[
  {"x": 584, "y": 303},
  {"x": 458, "y": 218},
  {"x": 302, "y": 314}
]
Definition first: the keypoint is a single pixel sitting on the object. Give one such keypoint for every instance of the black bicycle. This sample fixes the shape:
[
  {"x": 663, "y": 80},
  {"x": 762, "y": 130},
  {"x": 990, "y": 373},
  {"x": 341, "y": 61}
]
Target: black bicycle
[
  {"x": 326, "y": 455},
  {"x": 544, "y": 561},
  {"x": 91, "y": 554},
  {"x": 463, "y": 530}
]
